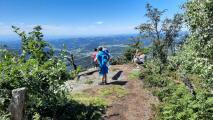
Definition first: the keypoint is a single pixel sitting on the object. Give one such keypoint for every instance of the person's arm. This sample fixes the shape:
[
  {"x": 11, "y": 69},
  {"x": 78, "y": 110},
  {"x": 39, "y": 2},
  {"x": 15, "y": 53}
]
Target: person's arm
[{"x": 96, "y": 58}]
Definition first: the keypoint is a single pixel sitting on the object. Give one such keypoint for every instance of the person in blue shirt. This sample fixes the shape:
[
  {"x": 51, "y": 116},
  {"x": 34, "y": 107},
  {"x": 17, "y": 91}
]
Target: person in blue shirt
[{"x": 102, "y": 58}]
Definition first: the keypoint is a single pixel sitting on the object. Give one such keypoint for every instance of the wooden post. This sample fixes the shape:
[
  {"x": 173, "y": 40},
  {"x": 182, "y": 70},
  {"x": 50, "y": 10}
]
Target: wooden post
[{"x": 17, "y": 104}]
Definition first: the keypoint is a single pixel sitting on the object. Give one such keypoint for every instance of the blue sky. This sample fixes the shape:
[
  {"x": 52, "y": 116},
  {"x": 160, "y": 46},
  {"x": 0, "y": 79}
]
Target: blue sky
[{"x": 79, "y": 17}]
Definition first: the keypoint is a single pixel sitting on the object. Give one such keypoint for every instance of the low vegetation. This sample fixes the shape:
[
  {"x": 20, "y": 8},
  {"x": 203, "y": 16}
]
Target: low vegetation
[
  {"x": 177, "y": 101},
  {"x": 89, "y": 82},
  {"x": 43, "y": 74},
  {"x": 134, "y": 75},
  {"x": 182, "y": 79},
  {"x": 117, "y": 91}
]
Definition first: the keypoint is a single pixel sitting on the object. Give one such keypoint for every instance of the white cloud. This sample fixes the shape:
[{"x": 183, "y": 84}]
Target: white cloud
[
  {"x": 71, "y": 30},
  {"x": 99, "y": 22}
]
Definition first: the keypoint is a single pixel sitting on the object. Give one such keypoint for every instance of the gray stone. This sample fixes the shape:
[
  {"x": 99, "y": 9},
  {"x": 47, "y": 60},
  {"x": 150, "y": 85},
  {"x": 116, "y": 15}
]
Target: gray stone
[{"x": 17, "y": 104}]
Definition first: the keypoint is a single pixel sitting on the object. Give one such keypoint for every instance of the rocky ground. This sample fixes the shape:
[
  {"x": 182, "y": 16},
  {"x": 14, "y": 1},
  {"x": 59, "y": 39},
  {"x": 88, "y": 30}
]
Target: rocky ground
[{"x": 133, "y": 103}]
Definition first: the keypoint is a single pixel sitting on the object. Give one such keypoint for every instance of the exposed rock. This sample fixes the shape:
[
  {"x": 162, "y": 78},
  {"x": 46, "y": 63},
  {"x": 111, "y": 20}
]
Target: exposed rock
[{"x": 17, "y": 104}]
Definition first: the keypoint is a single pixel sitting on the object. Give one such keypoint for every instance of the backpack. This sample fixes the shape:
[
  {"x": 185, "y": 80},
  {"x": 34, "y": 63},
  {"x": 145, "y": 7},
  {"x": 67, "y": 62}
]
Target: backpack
[{"x": 105, "y": 57}]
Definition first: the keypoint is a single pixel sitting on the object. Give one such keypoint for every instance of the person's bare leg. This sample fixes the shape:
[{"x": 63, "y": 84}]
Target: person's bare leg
[{"x": 103, "y": 77}]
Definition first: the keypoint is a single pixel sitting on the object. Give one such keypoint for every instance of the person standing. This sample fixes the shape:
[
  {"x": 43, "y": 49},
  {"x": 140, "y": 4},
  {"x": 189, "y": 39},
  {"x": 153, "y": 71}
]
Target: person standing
[
  {"x": 95, "y": 62},
  {"x": 102, "y": 58}
]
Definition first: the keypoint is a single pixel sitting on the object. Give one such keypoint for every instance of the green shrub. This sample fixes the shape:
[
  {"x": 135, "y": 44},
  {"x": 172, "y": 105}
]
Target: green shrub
[
  {"x": 177, "y": 102},
  {"x": 156, "y": 80},
  {"x": 43, "y": 74},
  {"x": 165, "y": 92},
  {"x": 92, "y": 107},
  {"x": 118, "y": 60}
]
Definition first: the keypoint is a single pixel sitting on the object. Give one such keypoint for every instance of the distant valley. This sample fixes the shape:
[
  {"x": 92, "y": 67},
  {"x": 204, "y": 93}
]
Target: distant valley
[{"x": 81, "y": 47}]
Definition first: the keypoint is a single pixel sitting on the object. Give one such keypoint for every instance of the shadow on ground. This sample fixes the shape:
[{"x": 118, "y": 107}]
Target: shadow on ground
[
  {"x": 117, "y": 83},
  {"x": 115, "y": 114},
  {"x": 117, "y": 75}
]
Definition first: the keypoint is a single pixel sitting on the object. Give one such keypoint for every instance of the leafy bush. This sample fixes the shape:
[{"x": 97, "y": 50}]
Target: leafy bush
[
  {"x": 118, "y": 60},
  {"x": 135, "y": 45},
  {"x": 43, "y": 74},
  {"x": 156, "y": 80},
  {"x": 177, "y": 101},
  {"x": 37, "y": 70},
  {"x": 197, "y": 52}
]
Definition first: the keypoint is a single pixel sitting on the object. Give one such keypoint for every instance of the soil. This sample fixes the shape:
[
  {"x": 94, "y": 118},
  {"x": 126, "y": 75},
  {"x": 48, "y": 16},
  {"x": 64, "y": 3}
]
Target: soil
[{"x": 136, "y": 105}]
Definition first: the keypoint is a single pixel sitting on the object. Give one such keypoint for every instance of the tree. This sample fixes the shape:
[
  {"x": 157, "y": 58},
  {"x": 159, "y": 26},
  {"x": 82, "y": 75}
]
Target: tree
[
  {"x": 170, "y": 29},
  {"x": 161, "y": 33},
  {"x": 135, "y": 45},
  {"x": 199, "y": 17},
  {"x": 33, "y": 45},
  {"x": 150, "y": 29},
  {"x": 196, "y": 55}
]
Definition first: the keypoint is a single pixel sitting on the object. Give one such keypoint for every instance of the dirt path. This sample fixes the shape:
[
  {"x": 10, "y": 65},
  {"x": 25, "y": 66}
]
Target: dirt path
[{"x": 137, "y": 104}]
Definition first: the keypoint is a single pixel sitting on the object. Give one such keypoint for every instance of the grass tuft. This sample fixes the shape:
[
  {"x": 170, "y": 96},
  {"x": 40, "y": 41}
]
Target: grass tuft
[
  {"x": 88, "y": 100},
  {"x": 117, "y": 91},
  {"x": 134, "y": 75},
  {"x": 89, "y": 82}
]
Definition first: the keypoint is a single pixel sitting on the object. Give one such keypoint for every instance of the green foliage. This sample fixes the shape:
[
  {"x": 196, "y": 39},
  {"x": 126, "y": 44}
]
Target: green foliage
[
  {"x": 119, "y": 60},
  {"x": 196, "y": 54},
  {"x": 43, "y": 74},
  {"x": 177, "y": 102},
  {"x": 134, "y": 75},
  {"x": 135, "y": 45},
  {"x": 129, "y": 54},
  {"x": 74, "y": 73},
  {"x": 91, "y": 107},
  {"x": 33, "y": 45},
  {"x": 4, "y": 117},
  {"x": 182, "y": 105},
  {"x": 199, "y": 18},
  {"x": 88, "y": 100},
  {"x": 38, "y": 71},
  {"x": 155, "y": 80},
  {"x": 162, "y": 33},
  {"x": 194, "y": 57}
]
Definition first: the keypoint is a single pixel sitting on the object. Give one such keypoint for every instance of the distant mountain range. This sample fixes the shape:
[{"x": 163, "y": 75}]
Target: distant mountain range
[
  {"x": 81, "y": 47},
  {"x": 81, "y": 44}
]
